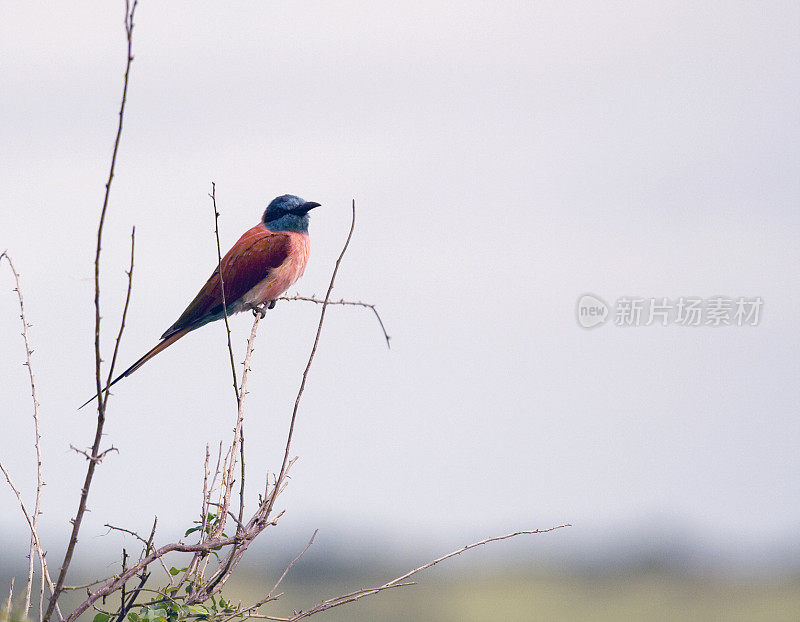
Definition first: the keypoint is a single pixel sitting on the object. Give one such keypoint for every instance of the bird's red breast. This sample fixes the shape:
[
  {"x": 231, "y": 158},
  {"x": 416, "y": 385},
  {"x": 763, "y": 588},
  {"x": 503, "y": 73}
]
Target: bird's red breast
[{"x": 258, "y": 268}]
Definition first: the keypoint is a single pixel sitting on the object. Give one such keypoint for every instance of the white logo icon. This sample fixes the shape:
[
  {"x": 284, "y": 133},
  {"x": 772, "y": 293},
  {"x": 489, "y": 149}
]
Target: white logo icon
[{"x": 592, "y": 311}]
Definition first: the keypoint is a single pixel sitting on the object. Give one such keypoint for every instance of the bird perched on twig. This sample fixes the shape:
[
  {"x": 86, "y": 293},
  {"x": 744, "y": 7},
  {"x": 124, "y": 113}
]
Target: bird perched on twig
[{"x": 263, "y": 264}]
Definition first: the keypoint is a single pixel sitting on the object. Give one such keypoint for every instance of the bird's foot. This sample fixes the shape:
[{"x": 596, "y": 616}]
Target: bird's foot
[{"x": 261, "y": 310}]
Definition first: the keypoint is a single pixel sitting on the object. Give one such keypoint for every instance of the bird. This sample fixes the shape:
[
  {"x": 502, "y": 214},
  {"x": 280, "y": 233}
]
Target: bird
[{"x": 263, "y": 264}]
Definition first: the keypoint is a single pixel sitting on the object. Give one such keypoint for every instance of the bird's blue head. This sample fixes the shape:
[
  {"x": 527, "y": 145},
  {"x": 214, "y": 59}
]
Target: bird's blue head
[{"x": 288, "y": 213}]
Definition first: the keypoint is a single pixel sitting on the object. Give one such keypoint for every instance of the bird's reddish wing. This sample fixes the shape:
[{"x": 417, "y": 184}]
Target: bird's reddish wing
[{"x": 248, "y": 262}]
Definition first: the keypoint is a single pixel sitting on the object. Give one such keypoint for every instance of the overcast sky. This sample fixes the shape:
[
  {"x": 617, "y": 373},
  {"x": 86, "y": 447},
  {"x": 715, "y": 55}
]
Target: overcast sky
[{"x": 506, "y": 158}]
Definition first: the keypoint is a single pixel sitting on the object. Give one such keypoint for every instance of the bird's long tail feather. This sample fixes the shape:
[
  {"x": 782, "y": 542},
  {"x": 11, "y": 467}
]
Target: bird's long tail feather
[{"x": 162, "y": 345}]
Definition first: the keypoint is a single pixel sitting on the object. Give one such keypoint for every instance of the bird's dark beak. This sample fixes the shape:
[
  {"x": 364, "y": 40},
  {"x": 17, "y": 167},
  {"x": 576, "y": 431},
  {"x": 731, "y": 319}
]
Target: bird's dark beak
[{"x": 304, "y": 208}]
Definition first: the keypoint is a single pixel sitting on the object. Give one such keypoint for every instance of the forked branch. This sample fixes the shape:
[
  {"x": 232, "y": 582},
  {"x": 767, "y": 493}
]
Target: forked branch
[
  {"x": 401, "y": 580},
  {"x": 102, "y": 397}
]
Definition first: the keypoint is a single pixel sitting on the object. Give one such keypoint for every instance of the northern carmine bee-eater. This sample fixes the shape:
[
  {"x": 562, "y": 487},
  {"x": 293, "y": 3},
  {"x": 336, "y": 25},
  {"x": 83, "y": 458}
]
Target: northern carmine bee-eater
[{"x": 263, "y": 264}]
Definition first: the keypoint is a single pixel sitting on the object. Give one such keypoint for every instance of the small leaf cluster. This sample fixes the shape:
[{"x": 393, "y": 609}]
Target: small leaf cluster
[
  {"x": 214, "y": 610},
  {"x": 212, "y": 523},
  {"x": 165, "y": 609}
]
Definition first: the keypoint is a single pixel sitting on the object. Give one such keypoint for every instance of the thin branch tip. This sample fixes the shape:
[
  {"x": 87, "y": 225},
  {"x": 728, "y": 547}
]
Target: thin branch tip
[{"x": 52, "y": 605}]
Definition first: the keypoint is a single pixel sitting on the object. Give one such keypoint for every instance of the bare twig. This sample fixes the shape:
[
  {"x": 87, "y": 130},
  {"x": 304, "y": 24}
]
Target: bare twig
[
  {"x": 192, "y": 566},
  {"x": 86, "y": 586},
  {"x": 251, "y": 343},
  {"x": 397, "y": 582},
  {"x": 241, "y": 471},
  {"x": 346, "y": 598},
  {"x": 325, "y": 303},
  {"x": 148, "y": 546},
  {"x": 193, "y": 569},
  {"x": 44, "y": 578},
  {"x": 37, "y": 434},
  {"x": 272, "y": 595},
  {"x": 239, "y": 395},
  {"x": 98, "y": 457},
  {"x": 289, "y": 567},
  {"x": 122, "y": 322},
  {"x": 213, "y": 196},
  {"x": 147, "y": 543},
  {"x": 125, "y": 607},
  {"x": 231, "y": 514},
  {"x": 200, "y": 593},
  {"x": 123, "y": 530},
  {"x": 124, "y": 568},
  {"x": 102, "y": 400},
  {"x": 245, "y": 612},
  {"x": 351, "y": 303},
  {"x": 33, "y": 530},
  {"x": 32, "y": 521},
  {"x": 206, "y": 493}
]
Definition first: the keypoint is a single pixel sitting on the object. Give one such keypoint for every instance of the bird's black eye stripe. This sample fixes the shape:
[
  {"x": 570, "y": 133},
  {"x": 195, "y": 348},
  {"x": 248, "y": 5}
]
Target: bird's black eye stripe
[{"x": 280, "y": 212}]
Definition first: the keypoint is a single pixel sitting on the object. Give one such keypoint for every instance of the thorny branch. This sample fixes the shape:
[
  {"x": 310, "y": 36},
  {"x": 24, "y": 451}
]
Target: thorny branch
[
  {"x": 400, "y": 581},
  {"x": 272, "y": 595},
  {"x": 34, "y": 532},
  {"x": 37, "y": 436},
  {"x": 213, "y": 196},
  {"x": 284, "y": 465},
  {"x": 122, "y": 322},
  {"x": 239, "y": 395},
  {"x": 35, "y": 546},
  {"x": 228, "y": 480},
  {"x": 102, "y": 400},
  {"x": 352, "y": 303}
]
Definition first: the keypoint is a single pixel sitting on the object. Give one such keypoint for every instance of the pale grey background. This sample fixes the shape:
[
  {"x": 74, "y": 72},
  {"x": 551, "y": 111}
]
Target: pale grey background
[{"x": 506, "y": 158}]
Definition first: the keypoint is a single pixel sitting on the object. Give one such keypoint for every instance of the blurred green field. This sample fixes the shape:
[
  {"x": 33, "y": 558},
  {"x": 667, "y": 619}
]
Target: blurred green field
[
  {"x": 524, "y": 596},
  {"x": 528, "y": 597}
]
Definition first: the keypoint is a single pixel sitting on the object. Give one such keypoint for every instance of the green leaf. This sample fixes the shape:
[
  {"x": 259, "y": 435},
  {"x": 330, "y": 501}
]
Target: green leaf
[
  {"x": 171, "y": 590},
  {"x": 191, "y": 530},
  {"x": 198, "y": 610},
  {"x": 173, "y": 571},
  {"x": 134, "y": 617},
  {"x": 101, "y": 617}
]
